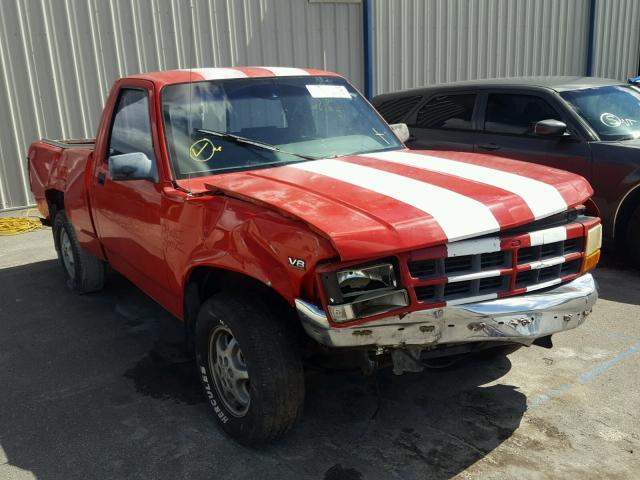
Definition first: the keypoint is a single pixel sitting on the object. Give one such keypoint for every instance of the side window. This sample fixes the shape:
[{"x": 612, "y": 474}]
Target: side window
[
  {"x": 131, "y": 128},
  {"x": 516, "y": 114},
  {"x": 394, "y": 111},
  {"x": 451, "y": 112}
]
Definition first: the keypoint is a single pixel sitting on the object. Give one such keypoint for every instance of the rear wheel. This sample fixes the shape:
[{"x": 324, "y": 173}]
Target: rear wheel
[
  {"x": 84, "y": 272},
  {"x": 249, "y": 367},
  {"x": 633, "y": 237}
]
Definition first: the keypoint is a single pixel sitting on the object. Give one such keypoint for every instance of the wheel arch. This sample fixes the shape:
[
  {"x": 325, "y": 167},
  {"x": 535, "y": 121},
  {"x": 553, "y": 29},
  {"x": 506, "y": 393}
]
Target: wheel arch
[
  {"x": 627, "y": 205},
  {"x": 203, "y": 281},
  {"x": 55, "y": 201}
]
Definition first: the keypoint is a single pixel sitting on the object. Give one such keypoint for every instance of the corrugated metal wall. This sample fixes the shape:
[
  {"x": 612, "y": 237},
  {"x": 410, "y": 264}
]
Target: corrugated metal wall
[
  {"x": 617, "y": 52},
  {"x": 421, "y": 42},
  {"x": 58, "y": 58}
]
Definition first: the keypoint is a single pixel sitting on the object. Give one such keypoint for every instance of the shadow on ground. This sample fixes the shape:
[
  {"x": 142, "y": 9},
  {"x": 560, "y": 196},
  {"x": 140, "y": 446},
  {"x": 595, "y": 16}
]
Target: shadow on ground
[
  {"x": 617, "y": 280},
  {"x": 97, "y": 386}
]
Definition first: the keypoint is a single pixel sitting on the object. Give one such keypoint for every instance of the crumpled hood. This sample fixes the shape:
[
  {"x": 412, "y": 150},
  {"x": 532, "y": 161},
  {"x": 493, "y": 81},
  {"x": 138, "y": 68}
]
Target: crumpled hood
[{"x": 376, "y": 204}]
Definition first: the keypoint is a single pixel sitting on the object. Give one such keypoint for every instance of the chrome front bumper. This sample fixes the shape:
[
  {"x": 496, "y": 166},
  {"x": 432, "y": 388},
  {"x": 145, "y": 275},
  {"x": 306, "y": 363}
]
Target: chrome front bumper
[{"x": 519, "y": 319}]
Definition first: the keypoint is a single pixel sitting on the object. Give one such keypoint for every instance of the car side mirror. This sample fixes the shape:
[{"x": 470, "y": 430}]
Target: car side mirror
[
  {"x": 132, "y": 166},
  {"x": 401, "y": 130},
  {"x": 550, "y": 128}
]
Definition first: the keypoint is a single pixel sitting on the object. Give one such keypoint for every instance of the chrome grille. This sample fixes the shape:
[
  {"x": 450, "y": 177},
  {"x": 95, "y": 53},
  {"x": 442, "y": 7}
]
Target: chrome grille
[{"x": 513, "y": 269}]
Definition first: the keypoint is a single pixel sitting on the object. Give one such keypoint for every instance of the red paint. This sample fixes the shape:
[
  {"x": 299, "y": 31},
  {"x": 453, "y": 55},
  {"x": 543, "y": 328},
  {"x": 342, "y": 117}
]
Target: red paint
[
  {"x": 508, "y": 208},
  {"x": 571, "y": 186},
  {"x": 156, "y": 234}
]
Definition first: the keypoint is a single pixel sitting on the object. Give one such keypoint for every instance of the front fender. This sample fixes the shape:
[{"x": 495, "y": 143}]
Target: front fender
[{"x": 230, "y": 234}]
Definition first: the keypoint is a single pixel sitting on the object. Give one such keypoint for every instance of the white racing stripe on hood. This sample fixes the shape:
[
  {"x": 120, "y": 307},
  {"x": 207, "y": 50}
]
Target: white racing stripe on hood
[
  {"x": 459, "y": 216},
  {"x": 543, "y": 199}
]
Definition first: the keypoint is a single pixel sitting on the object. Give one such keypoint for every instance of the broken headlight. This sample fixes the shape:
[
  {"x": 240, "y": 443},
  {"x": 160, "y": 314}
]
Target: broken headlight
[{"x": 363, "y": 291}]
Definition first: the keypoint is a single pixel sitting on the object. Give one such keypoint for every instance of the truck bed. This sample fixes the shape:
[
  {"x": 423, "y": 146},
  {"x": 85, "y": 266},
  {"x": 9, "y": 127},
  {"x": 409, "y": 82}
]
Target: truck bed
[
  {"x": 71, "y": 143},
  {"x": 58, "y": 165}
]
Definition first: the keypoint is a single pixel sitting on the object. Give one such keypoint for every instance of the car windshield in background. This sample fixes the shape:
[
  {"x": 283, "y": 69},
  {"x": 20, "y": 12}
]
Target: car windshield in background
[
  {"x": 613, "y": 111},
  {"x": 311, "y": 116}
]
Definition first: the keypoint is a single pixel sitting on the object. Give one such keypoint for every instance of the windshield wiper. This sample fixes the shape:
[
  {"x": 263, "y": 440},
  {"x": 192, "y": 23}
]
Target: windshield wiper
[{"x": 254, "y": 143}]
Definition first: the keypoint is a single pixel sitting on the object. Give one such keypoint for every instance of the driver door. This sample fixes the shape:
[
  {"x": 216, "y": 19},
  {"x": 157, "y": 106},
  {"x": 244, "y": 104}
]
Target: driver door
[
  {"x": 507, "y": 131},
  {"x": 128, "y": 213}
]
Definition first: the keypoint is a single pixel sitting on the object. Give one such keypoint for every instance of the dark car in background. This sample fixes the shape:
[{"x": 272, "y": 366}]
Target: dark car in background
[{"x": 590, "y": 126}]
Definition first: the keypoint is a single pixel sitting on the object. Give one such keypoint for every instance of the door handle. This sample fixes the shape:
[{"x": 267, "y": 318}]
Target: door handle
[
  {"x": 101, "y": 178},
  {"x": 489, "y": 147}
]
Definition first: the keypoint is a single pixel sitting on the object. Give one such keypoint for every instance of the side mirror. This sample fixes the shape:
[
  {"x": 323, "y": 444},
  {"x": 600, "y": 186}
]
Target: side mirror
[
  {"x": 401, "y": 130},
  {"x": 132, "y": 166},
  {"x": 550, "y": 128}
]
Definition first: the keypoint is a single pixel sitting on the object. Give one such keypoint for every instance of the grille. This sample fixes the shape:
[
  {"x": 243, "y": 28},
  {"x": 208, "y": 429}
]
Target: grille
[
  {"x": 573, "y": 245},
  {"x": 541, "y": 275},
  {"x": 424, "y": 269},
  {"x": 451, "y": 266},
  {"x": 570, "y": 268},
  {"x": 447, "y": 267},
  {"x": 458, "y": 264},
  {"x": 550, "y": 250},
  {"x": 494, "y": 260},
  {"x": 458, "y": 290},
  {"x": 502, "y": 273}
]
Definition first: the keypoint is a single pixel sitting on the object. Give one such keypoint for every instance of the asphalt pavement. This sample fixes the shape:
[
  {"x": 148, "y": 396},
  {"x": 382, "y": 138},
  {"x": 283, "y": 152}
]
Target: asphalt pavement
[{"x": 98, "y": 386}]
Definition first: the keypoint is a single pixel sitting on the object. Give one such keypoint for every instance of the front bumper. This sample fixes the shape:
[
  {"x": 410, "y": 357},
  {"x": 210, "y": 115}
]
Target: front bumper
[{"x": 520, "y": 319}]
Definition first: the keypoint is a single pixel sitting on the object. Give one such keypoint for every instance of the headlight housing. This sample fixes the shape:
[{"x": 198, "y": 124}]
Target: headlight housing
[
  {"x": 355, "y": 281},
  {"x": 592, "y": 247},
  {"x": 594, "y": 240},
  {"x": 363, "y": 291}
]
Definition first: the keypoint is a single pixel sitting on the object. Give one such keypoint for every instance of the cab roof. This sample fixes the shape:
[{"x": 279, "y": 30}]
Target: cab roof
[
  {"x": 168, "y": 77},
  {"x": 555, "y": 83}
]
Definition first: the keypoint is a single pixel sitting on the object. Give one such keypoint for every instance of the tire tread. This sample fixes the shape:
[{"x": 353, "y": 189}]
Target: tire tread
[
  {"x": 269, "y": 342},
  {"x": 90, "y": 270}
]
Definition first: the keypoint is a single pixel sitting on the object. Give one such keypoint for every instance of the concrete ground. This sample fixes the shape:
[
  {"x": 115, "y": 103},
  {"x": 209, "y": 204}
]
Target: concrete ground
[{"x": 96, "y": 386}]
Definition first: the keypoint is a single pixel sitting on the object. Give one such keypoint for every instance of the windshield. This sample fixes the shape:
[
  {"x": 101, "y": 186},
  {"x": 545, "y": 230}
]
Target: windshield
[
  {"x": 313, "y": 116},
  {"x": 613, "y": 111}
]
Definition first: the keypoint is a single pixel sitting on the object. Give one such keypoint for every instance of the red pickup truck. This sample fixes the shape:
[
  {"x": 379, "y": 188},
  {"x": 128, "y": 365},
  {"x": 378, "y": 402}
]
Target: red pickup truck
[{"x": 274, "y": 212}]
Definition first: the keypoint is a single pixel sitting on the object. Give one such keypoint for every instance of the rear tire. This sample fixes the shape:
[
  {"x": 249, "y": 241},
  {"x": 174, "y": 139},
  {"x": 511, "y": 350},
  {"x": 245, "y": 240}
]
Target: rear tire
[
  {"x": 249, "y": 367},
  {"x": 632, "y": 237},
  {"x": 84, "y": 272}
]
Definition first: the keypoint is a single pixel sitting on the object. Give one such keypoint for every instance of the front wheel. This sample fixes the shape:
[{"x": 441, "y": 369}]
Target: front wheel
[{"x": 249, "y": 368}]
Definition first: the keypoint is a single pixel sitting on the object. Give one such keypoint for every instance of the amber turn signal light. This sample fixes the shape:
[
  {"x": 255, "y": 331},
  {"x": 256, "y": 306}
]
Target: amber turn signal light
[{"x": 590, "y": 261}]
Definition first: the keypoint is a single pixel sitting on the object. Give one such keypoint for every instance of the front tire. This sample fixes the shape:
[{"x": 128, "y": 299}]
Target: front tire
[
  {"x": 84, "y": 272},
  {"x": 249, "y": 368}
]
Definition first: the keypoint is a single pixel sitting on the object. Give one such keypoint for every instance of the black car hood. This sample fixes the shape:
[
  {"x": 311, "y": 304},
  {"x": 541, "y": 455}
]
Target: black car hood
[{"x": 634, "y": 143}]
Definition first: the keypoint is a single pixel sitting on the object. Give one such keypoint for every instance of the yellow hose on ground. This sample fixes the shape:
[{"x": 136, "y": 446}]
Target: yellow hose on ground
[{"x": 18, "y": 225}]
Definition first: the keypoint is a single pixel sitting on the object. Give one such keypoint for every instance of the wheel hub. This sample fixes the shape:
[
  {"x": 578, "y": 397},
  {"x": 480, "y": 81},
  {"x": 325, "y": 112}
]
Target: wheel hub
[
  {"x": 229, "y": 371},
  {"x": 67, "y": 254}
]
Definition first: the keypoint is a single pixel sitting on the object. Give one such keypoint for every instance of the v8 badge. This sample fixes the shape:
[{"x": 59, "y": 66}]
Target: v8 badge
[{"x": 297, "y": 263}]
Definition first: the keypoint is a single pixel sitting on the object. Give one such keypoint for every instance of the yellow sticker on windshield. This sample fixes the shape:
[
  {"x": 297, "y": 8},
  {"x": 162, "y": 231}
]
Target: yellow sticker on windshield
[{"x": 203, "y": 150}]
